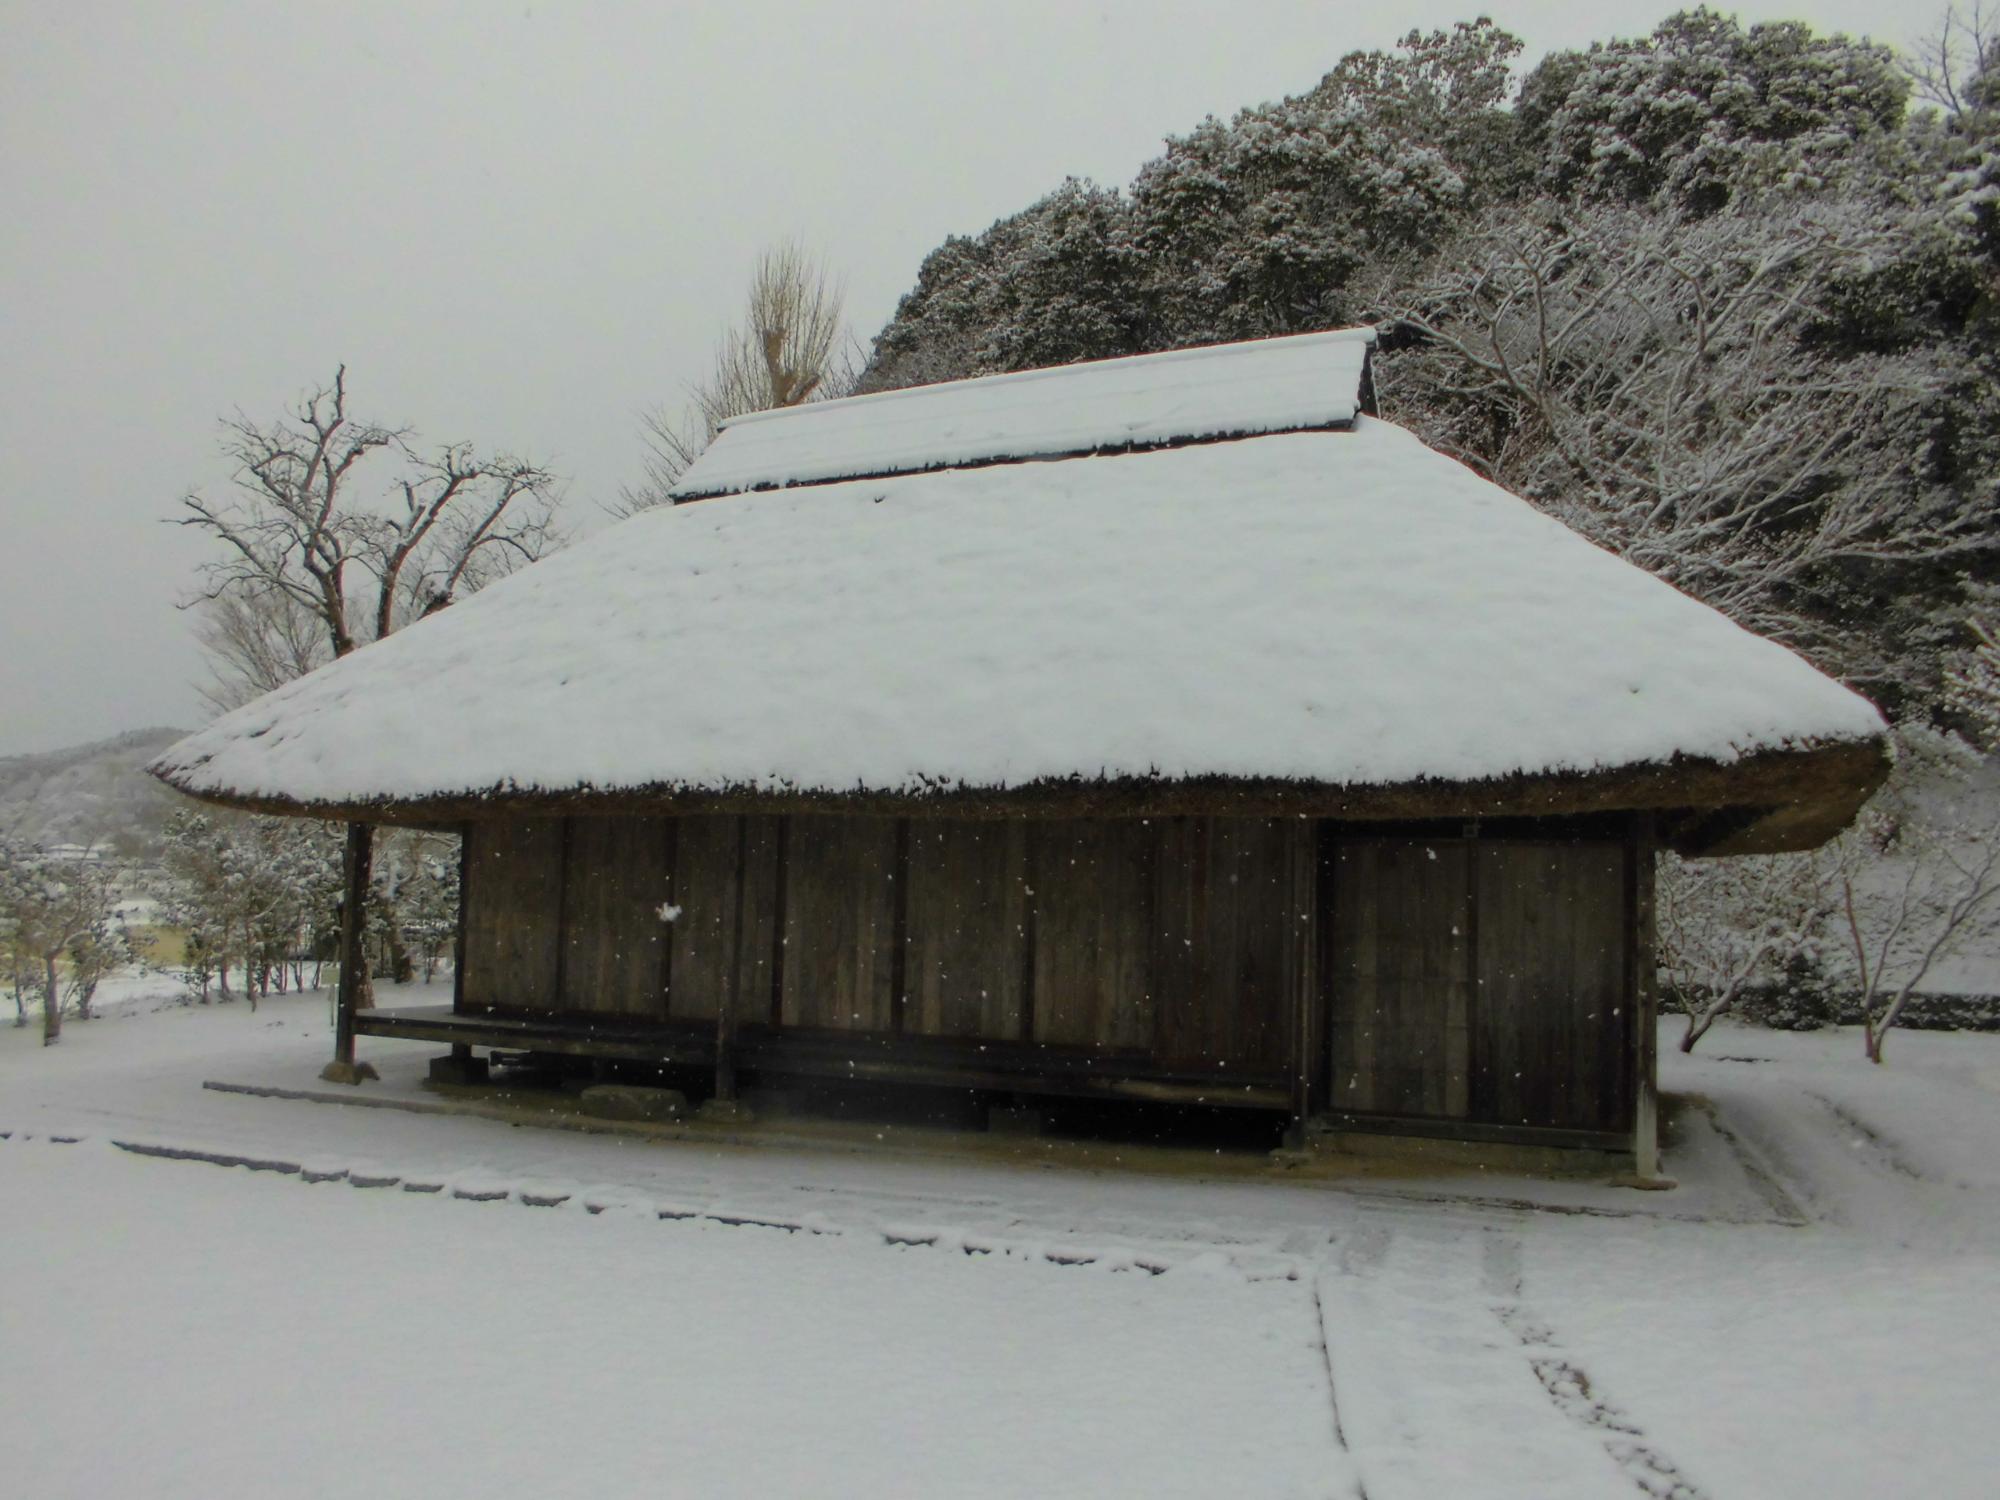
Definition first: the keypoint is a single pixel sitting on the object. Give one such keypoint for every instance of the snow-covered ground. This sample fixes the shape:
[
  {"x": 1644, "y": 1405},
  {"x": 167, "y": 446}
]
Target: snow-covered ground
[{"x": 1813, "y": 1313}]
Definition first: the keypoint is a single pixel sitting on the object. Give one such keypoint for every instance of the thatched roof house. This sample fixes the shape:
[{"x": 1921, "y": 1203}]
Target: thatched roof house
[{"x": 899, "y": 667}]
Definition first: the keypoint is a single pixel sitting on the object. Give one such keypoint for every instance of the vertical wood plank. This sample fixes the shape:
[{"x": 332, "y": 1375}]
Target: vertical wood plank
[
  {"x": 899, "y": 934},
  {"x": 616, "y": 880},
  {"x": 1297, "y": 945},
  {"x": 1399, "y": 975},
  {"x": 706, "y": 877},
  {"x": 458, "y": 936},
  {"x": 1094, "y": 933},
  {"x": 766, "y": 837},
  {"x": 839, "y": 923},
  {"x": 1228, "y": 917},
  {"x": 513, "y": 914},
  {"x": 1183, "y": 988},
  {"x": 1643, "y": 992},
  {"x": 1553, "y": 973},
  {"x": 669, "y": 838},
  {"x": 966, "y": 927}
]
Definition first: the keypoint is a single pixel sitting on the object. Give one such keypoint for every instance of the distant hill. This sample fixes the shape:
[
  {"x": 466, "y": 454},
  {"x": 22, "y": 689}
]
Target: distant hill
[{"x": 89, "y": 794}]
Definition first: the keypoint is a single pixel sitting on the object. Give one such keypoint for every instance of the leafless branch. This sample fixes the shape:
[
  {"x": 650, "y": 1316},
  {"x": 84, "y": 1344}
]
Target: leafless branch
[
  {"x": 313, "y": 566},
  {"x": 789, "y": 348}
]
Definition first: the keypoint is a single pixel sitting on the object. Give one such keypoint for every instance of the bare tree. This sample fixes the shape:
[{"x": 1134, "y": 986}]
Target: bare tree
[
  {"x": 1947, "y": 65},
  {"x": 1729, "y": 927},
  {"x": 1897, "y": 936},
  {"x": 300, "y": 529},
  {"x": 1647, "y": 380},
  {"x": 254, "y": 642},
  {"x": 313, "y": 564},
  {"x": 791, "y": 347},
  {"x": 1973, "y": 687},
  {"x": 1918, "y": 877}
]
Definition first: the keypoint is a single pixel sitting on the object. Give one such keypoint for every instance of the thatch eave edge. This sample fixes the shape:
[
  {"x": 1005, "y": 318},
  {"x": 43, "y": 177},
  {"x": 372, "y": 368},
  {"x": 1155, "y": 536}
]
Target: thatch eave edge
[{"x": 1764, "y": 802}]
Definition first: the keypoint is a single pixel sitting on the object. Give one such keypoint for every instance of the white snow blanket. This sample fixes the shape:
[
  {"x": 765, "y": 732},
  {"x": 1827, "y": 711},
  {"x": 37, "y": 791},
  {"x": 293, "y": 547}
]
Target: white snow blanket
[
  {"x": 1346, "y": 607},
  {"x": 1226, "y": 390}
]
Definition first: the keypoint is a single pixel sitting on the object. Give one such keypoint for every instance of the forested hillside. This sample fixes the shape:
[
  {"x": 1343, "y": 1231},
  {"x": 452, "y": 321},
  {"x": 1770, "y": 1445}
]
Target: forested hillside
[
  {"x": 1722, "y": 298},
  {"x": 89, "y": 794}
]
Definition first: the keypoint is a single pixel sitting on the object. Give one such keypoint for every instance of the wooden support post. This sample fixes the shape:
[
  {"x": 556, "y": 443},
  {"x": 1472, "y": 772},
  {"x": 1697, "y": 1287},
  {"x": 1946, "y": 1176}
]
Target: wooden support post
[
  {"x": 1301, "y": 942},
  {"x": 353, "y": 989},
  {"x": 458, "y": 936},
  {"x": 1645, "y": 1012},
  {"x": 723, "y": 1104}
]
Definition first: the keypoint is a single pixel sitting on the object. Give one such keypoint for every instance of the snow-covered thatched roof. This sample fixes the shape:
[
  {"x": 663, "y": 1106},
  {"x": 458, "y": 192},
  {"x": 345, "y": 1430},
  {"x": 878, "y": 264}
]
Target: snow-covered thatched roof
[{"x": 1312, "y": 618}]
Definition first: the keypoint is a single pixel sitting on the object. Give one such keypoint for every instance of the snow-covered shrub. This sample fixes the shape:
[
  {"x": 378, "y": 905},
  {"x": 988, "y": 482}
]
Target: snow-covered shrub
[
  {"x": 58, "y": 916},
  {"x": 1733, "y": 930}
]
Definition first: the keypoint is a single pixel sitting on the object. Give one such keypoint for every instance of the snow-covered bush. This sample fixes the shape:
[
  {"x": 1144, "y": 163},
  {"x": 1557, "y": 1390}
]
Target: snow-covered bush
[
  {"x": 256, "y": 894},
  {"x": 58, "y": 917},
  {"x": 1683, "y": 115},
  {"x": 1918, "y": 875},
  {"x": 1733, "y": 928},
  {"x": 1852, "y": 932}
]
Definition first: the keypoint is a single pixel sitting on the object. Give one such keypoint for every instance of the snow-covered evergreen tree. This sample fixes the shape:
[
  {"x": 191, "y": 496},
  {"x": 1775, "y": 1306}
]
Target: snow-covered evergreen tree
[
  {"x": 1684, "y": 114},
  {"x": 58, "y": 917}
]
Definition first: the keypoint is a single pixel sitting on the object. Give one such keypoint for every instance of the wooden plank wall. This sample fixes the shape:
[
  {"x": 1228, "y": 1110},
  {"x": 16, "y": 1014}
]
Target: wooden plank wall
[
  {"x": 965, "y": 958},
  {"x": 1400, "y": 978},
  {"x": 1094, "y": 895},
  {"x": 1176, "y": 941},
  {"x": 839, "y": 924},
  {"x": 1453, "y": 979},
  {"x": 616, "y": 877},
  {"x": 1481, "y": 980},
  {"x": 513, "y": 913}
]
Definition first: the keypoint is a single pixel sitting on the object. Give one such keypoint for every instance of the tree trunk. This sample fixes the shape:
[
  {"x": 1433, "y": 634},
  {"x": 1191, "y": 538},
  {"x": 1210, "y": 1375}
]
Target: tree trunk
[
  {"x": 402, "y": 968},
  {"x": 51, "y": 1002}
]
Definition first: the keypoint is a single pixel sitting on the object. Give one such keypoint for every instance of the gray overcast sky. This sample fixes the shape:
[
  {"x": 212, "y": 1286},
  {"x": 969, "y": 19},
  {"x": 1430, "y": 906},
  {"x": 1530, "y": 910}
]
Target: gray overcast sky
[{"x": 518, "y": 224}]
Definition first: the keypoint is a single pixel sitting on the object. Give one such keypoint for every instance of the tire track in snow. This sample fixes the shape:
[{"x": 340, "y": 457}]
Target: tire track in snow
[
  {"x": 1879, "y": 1148},
  {"x": 1784, "y": 1206},
  {"x": 1431, "y": 1395},
  {"x": 1569, "y": 1385},
  {"x": 1360, "y": 1486}
]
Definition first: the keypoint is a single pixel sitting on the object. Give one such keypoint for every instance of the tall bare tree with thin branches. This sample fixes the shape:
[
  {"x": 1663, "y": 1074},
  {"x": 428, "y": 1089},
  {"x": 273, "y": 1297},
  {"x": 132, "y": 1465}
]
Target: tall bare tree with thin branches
[
  {"x": 299, "y": 526},
  {"x": 315, "y": 562},
  {"x": 1957, "y": 59},
  {"x": 790, "y": 347}
]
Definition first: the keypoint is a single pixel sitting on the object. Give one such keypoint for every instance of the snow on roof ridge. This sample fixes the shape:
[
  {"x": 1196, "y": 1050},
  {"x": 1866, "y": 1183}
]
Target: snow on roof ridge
[
  {"x": 1299, "y": 383},
  {"x": 1360, "y": 333}
]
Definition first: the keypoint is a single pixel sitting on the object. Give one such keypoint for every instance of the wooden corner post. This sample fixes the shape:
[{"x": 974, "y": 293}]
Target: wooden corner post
[
  {"x": 1302, "y": 952},
  {"x": 359, "y": 867},
  {"x": 1645, "y": 1008}
]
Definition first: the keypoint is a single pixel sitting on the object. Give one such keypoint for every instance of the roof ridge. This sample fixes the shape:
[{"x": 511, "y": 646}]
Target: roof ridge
[
  {"x": 1126, "y": 449},
  {"x": 1364, "y": 333},
  {"x": 1253, "y": 386}
]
